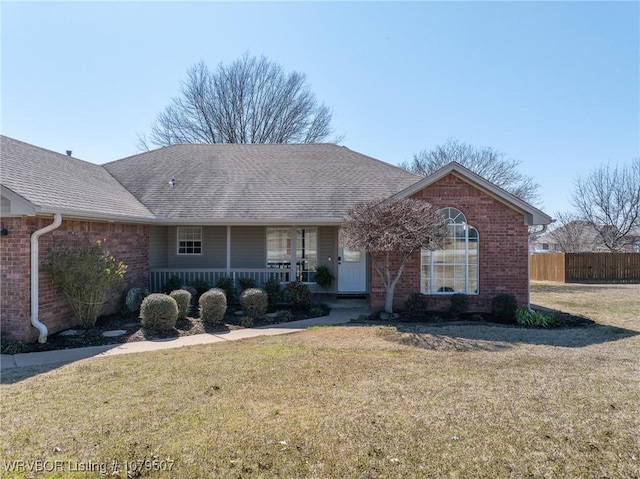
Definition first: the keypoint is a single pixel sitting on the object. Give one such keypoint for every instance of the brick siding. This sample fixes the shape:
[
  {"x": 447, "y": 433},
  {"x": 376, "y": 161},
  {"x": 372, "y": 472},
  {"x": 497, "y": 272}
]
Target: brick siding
[
  {"x": 504, "y": 253},
  {"x": 127, "y": 242}
]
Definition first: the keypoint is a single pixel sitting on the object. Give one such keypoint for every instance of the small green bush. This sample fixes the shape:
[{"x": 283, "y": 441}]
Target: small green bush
[
  {"x": 504, "y": 307},
  {"x": 85, "y": 273},
  {"x": 254, "y": 302},
  {"x": 158, "y": 312},
  {"x": 171, "y": 285},
  {"x": 417, "y": 303},
  {"x": 284, "y": 315},
  {"x": 319, "y": 309},
  {"x": 213, "y": 305},
  {"x": 274, "y": 292},
  {"x": 183, "y": 299},
  {"x": 527, "y": 317},
  {"x": 226, "y": 285},
  {"x": 11, "y": 346},
  {"x": 459, "y": 304},
  {"x": 299, "y": 295},
  {"x": 324, "y": 276},
  {"x": 246, "y": 283},
  {"x": 200, "y": 287},
  {"x": 247, "y": 321}
]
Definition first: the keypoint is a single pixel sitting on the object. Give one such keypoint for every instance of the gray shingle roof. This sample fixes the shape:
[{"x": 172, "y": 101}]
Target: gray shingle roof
[
  {"x": 257, "y": 182},
  {"x": 55, "y": 182}
]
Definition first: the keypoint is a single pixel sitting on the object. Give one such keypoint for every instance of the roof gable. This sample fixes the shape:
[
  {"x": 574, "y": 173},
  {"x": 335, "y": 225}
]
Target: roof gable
[
  {"x": 53, "y": 182},
  {"x": 532, "y": 215}
]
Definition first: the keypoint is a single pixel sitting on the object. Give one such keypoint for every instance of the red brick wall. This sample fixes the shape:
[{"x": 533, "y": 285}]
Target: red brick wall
[
  {"x": 128, "y": 243},
  {"x": 504, "y": 251}
]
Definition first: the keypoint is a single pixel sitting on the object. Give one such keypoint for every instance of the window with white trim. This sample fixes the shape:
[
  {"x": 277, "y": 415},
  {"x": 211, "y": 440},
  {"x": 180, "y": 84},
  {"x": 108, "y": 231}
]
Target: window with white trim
[
  {"x": 454, "y": 267},
  {"x": 189, "y": 240},
  {"x": 280, "y": 247}
]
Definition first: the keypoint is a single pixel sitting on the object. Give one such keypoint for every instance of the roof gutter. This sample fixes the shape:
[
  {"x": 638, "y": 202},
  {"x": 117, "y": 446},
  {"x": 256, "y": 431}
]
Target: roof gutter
[{"x": 35, "y": 276}]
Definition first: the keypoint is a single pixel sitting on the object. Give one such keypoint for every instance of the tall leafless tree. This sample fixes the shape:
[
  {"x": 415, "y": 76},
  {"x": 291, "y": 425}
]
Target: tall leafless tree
[
  {"x": 251, "y": 100},
  {"x": 609, "y": 199},
  {"x": 391, "y": 231},
  {"x": 485, "y": 161}
]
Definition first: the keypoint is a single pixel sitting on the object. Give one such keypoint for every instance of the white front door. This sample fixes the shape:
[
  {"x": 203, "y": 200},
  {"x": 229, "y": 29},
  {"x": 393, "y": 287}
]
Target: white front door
[{"x": 352, "y": 271}]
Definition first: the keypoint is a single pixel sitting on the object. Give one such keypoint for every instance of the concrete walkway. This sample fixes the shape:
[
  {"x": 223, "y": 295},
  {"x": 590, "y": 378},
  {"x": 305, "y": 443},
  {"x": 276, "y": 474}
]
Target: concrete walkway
[{"x": 339, "y": 315}]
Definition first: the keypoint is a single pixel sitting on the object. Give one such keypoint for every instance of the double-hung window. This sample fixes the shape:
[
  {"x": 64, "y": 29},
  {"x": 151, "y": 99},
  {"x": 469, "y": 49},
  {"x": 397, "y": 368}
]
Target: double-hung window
[
  {"x": 454, "y": 267},
  {"x": 189, "y": 240}
]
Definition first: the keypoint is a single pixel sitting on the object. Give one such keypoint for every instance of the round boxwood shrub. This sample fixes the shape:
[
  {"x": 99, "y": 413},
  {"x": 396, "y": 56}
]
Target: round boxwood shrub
[
  {"x": 299, "y": 295},
  {"x": 504, "y": 307},
  {"x": 158, "y": 312},
  {"x": 417, "y": 303},
  {"x": 213, "y": 305},
  {"x": 254, "y": 302},
  {"x": 459, "y": 304},
  {"x": 183, "y": 299}
]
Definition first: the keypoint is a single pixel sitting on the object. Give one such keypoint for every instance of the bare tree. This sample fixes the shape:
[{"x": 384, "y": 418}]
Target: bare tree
[
  {"x": 485, "y": 161},
  {"x": 251, "y": 100},
  {"x": 572, "y": 233},
  {"x": 609, "y": 199},
  {"x": 391, "y": 231}
]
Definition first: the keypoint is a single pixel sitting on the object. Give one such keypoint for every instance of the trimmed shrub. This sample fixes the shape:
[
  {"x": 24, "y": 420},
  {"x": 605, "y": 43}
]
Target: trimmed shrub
[
  {"x": 504, "y": 307},
  {"x": 274, "y": 292},
  {"x": 246, "y": 283},
  {"x": 171, "y": 285},
  {"x": 417, "y": 303},
  {"x": 254, "y": 302},
  {"x": 459, "y": 304},
  {"x": 158, "y": 312},
  {"x": 213, "y": 305},
  {"x": 299, "y": 295},
  {"x": 183, "y": 299},
  {"x": 134, "y": 298},
  {"x": 284, "y": 315},
  {"x": 226, "y": 285},
  {"x": 200, "y": 287}
]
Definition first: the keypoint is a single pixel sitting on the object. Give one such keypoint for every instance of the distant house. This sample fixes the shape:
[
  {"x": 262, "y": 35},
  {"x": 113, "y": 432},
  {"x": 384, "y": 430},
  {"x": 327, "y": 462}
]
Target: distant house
[
  {"x": 261, "y": 211},
  {"x": 578, "y": 237}
]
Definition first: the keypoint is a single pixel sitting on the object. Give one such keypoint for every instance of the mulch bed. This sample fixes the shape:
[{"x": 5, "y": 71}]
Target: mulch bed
[{"x": 135, "y": 332}]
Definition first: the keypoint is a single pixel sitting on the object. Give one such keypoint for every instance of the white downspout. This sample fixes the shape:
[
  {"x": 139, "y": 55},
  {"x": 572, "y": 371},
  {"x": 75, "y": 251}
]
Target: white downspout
[{"x": 35, "y": 276}]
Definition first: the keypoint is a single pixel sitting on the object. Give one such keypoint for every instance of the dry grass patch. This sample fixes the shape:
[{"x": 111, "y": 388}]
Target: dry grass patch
[{"x": 352, "y": 401}]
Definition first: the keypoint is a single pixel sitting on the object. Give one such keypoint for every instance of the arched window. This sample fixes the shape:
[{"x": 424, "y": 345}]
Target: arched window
[{"x": 453, "y": 268}]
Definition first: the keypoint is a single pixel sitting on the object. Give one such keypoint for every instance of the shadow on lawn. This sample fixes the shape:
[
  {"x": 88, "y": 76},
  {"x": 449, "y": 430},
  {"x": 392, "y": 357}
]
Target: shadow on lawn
[{"x": 494, "y": 337}]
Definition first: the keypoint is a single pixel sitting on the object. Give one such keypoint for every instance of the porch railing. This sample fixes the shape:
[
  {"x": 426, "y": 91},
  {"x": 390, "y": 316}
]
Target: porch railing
[{"x": 158, "y": 277}]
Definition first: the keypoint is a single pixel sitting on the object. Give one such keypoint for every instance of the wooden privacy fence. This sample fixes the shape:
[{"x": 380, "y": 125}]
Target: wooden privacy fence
[{"x": 586, "y": 267}]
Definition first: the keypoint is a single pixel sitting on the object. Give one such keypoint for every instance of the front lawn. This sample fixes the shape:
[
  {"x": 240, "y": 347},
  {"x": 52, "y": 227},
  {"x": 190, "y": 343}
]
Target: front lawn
[{"x": 350, "y": 401}]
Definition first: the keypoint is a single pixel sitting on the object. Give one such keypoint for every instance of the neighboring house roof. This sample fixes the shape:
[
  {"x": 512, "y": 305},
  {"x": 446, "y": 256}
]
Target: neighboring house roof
[
  {"x": 50, "y": 182},
  {"x": 532, "y": 215},
  {"x": 266, "y": 183}
]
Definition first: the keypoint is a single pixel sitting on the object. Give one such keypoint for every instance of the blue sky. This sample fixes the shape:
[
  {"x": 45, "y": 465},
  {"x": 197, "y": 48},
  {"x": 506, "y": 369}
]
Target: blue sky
[{"x": 555, "y": 85}]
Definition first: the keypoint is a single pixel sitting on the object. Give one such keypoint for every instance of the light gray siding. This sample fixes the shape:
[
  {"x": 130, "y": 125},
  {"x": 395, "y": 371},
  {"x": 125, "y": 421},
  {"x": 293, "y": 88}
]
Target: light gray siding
[
  {"x": 214, "y": 249},
  {"x": 158, "y": 237},
  {"x": 328, "y": 247},
  {"x": 248, "y": 247}
]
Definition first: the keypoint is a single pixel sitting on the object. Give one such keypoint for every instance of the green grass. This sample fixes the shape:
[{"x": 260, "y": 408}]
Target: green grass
[{"x": 357, "y": 402}]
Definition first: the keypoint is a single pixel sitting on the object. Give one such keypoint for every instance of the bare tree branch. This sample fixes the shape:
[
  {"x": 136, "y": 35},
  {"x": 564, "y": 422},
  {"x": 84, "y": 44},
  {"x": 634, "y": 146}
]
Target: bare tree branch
[
  {"x": 251, "y": 100},
  {"x": 609, "y": 199},
  {"x": 486, "y": 162},
  {"x": 392, "y": 230}
]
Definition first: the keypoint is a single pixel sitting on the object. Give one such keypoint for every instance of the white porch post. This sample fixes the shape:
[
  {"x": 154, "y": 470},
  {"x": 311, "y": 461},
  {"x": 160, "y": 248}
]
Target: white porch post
[
  {"x": 292, "y": 275},
  {"x": 228, "y": 250}
]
